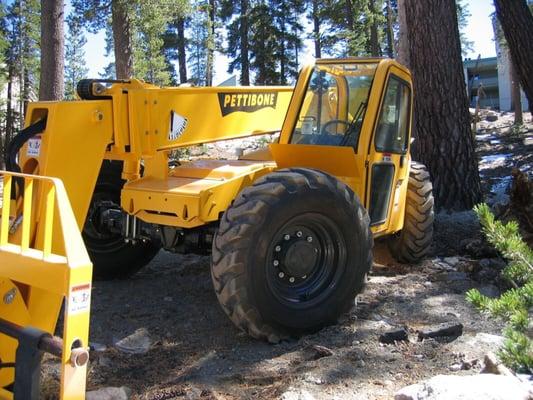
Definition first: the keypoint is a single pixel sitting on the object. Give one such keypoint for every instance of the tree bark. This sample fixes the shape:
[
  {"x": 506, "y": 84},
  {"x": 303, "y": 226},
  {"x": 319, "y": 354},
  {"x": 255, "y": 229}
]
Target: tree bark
[
  {"x": 516, "y": 101},
  {"x": 245, "y": 57},
  {"x": 182, "y": 52},
  {"x": 517, "y": 24},
  {"x": 316, "y": 30},
  {"x": 122, "y": 39},
  {"x": 403, "y": 40},
  {"x": 375, "y": 49},
  {"x": 52, "y": 83},
  {"x": 441, "y": 117},
  {"x": 10, "y": 120},
  {"x": 389, "y": 31},
  {"x": 210, "y": 44}
]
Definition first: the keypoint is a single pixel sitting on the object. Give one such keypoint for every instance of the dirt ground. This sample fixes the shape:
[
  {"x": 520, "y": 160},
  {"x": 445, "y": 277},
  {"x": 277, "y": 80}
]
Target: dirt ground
[{"x": 195, "y": 352}]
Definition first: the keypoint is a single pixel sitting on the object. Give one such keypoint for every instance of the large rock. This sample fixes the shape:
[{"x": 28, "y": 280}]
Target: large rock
[
  {"x": 471, "y": 387},
  {"x": 109, "y": 393},
  {"x": 452, "y": 329},
  {"x": 137, "y": 343},
  {"x": 393, "y": 336}
]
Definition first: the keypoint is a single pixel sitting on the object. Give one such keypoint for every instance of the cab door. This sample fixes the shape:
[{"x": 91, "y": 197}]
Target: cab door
[{"x": 388, "y": 159}]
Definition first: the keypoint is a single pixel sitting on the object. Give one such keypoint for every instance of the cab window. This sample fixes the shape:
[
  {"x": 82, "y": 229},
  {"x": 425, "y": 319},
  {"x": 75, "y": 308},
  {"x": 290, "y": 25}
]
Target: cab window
[
  {"x": 393, "y": 124},
  {"x": 333, "y": 107}
]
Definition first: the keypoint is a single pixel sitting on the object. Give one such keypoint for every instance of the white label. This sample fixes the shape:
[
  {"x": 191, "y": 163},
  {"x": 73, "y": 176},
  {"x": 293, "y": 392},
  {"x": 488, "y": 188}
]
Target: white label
[
  {"x": 34, "y": 147},
  {"x": 177, "y": 125},
  {"x": 79, "y": 299},
  {"x": 307, "y": 126}
]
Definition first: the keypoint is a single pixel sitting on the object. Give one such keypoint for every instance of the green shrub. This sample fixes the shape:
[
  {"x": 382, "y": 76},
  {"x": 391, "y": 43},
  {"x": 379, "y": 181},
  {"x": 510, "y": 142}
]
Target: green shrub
[{"x": 514, "y": 306}]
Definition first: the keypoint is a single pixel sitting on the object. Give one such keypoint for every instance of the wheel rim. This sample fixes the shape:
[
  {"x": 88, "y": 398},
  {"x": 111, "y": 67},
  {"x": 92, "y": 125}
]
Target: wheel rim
[{"x": 306, "y": 260}]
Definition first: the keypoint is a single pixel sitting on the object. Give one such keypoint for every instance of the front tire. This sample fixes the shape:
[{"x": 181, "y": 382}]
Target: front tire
[
  {"x": 112, "y": 258},
  {"x": 291, "y": 254},
  {"x": 413, "y": 242}
]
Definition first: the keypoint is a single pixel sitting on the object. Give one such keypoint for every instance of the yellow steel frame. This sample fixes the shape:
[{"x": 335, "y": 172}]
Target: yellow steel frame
[{"x": 37, "y": 271}]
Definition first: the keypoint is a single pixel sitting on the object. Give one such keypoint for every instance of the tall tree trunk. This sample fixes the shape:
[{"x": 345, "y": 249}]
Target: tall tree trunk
[
  {"x": 122, "y": 39},
  {"x": 282, "y": 60},
  {"x": 515, "y": 94},
  {"x": 389, "y": 31},
  {"x": 517, "y": 24},
  {"x": 375, "y": 49},
  {"x": 210, "y": 44},
  {"x": 182, "y": 53},
  {"x": 441, "y": 117},
  {"x": 403, "y": 40},
  {"x": 10, "y": 120},
  {"x": 52, "y": 83},
  {"x": 350, "y": 22},
  {"x": 25, "y": 95},
  {"x": 245, "y": 57},
  {"x": 316, "y": 30}
]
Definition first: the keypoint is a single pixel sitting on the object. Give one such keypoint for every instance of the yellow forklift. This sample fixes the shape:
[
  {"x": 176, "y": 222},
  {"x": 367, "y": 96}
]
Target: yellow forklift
[{"x": 93, "y": 188}]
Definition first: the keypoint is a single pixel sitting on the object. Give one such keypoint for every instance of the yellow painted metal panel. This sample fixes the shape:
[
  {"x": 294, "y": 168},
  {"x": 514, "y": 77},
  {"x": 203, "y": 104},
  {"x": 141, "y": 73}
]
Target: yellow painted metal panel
[{"x": 48, "y": 277}]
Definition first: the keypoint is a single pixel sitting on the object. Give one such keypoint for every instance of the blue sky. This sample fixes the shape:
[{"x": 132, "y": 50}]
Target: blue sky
[{"x": 479, "y": 31}]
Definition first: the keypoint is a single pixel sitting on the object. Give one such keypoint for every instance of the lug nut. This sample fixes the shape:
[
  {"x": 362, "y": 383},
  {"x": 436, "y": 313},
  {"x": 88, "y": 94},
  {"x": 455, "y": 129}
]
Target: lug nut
[
  {"x": 286, "y": 237},
  {"x": 277, "y": 248},
  {"x": 276, "y": 263},
  {"x": 309, "y": 239},
  {"x": 299, "y": 233},
  {"x": 291, "y": 279},
  {"x": 281, "y": 274}
]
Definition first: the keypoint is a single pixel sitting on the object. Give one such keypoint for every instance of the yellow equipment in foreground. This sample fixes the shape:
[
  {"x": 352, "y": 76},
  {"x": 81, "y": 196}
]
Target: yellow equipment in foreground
[{"x": 290, "y": 227}]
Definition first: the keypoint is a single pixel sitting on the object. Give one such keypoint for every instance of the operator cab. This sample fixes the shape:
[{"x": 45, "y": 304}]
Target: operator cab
[{"x": 334, "y": 105}]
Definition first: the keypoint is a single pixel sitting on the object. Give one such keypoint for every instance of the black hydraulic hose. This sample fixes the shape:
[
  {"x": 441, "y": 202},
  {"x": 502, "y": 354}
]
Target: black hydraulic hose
[{"x": 14, "y": 147}]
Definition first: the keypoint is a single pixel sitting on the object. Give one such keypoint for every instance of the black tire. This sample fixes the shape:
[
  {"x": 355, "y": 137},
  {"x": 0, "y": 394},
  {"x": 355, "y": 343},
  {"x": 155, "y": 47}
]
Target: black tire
[
  {"x": 413, "y": 242},
  {"x": 112, "y": 258},
  {"x": 274, "y": 218}
]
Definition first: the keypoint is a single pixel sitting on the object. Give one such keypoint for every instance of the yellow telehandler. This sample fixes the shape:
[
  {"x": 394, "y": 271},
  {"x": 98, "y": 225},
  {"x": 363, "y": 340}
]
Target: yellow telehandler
[{"x": 93, "y": 187}]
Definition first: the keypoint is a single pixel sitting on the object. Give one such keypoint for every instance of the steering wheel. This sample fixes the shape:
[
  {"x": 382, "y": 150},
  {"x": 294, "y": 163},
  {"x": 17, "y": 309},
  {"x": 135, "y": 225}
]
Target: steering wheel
[{"x": 324, "y": 130}]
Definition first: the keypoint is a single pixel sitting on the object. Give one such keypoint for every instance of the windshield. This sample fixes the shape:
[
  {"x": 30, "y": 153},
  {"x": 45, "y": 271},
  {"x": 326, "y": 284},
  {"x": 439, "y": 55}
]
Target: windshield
[{"x": 334, "y": 105}]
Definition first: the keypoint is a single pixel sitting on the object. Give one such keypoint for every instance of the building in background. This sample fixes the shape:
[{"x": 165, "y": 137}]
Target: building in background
[
  {"x": 483, "y": 72},
  {"x": 493, "y": 74}
]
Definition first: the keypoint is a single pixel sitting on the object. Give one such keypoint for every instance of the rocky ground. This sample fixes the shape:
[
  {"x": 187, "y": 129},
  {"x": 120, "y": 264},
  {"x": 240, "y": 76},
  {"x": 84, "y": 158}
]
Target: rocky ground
[{"x": 162, "y": 334}]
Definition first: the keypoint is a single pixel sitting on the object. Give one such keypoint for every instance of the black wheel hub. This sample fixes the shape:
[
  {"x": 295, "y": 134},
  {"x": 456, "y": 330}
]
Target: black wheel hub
[
  {"x": 300, "y": 259},
  {"x": 305, "y": 259},
  {"x": 296, "y": 254}
]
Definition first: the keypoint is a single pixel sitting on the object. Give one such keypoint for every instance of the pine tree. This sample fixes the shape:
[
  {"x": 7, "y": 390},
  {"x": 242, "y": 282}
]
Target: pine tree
[
  {"x": 52, "y": 81},
  {"x": 515, "y": 305},
  {"x": 353, "y": 27},
  {"x": 236, "y": 14},
  {"x": 463, "y": 13},
  {"x": 288, "y": 30},
  {"x": 75, "y": 67},
  {"x": 138, "y": 28},
  {"x": 263, "y": 45},
  {"x": 4, "y": 45},
  {"x": 441, "y": 118},
  {"x": 516, "y": 19},
  {"x": 22, "y": 58},
  {"x": 199, "y": 36}
]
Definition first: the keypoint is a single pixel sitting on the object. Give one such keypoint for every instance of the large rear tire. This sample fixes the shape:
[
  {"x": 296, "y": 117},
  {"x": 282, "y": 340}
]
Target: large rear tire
[
  {"x": 291, "y": 254},
  {"x": 413, "y": 242},
  {"x": 112, "y": 258}
]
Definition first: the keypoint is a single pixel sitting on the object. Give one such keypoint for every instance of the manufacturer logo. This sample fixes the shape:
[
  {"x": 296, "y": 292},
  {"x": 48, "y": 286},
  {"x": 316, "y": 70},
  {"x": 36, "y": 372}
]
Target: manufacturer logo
[{"x": 246, "y": 102}]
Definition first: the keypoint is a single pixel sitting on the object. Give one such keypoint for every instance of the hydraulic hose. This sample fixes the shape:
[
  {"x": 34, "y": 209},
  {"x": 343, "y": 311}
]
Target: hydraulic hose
[{"x": 14, "y": 147}]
